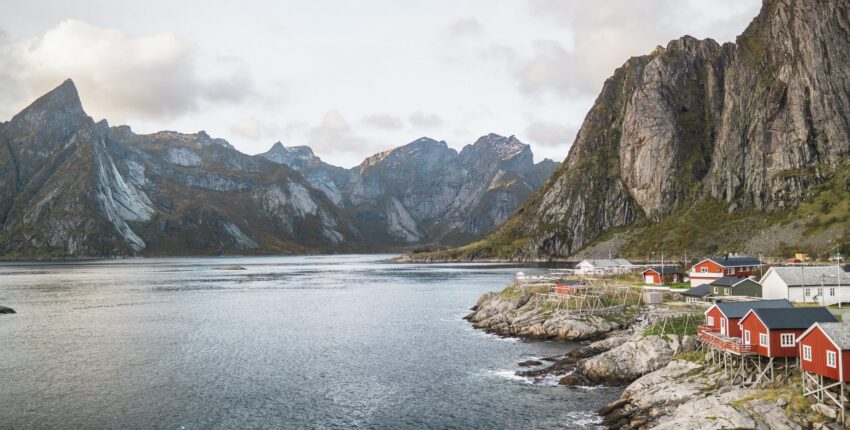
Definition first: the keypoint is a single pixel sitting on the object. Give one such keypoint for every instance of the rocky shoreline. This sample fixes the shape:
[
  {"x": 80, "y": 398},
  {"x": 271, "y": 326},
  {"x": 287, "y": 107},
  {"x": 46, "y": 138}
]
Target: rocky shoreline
[{"x": 666, "y": 383}]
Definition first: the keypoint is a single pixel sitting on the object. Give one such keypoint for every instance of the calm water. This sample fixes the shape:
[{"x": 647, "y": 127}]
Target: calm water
[{"x": 291, "y": 342}]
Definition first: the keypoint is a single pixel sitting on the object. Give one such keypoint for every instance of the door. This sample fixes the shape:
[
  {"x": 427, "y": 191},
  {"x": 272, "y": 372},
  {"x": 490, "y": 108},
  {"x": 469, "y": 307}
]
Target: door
[
  {"x": 723, "y": 326},
  {"x": 746, "y": 337},
  {"x": 649, "y": 279}
]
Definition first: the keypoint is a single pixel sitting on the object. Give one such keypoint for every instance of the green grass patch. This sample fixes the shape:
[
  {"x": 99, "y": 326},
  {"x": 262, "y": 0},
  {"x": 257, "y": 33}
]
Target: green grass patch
[{"x": 684, "y": 325}]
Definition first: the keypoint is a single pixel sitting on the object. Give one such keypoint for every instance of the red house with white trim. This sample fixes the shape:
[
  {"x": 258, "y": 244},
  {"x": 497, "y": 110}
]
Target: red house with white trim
[
  {"x": 825, "y": 350},
  {"x": 723, "y": 317},
  {"x": 773, "y": 332},
  {"x": 711, "y": 269}
]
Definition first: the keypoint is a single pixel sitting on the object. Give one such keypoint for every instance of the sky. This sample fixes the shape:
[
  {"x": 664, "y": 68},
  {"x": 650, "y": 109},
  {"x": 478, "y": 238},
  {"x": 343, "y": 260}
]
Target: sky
[{"x": 348, "y": 78}]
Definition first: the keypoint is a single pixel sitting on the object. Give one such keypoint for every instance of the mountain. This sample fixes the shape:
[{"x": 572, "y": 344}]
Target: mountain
[
  {"x": 425, "y": 192},
  {"x": 329, "y": 179},
  {"x": 70, "y": 187},
  {"x": 702, "y": 148}
]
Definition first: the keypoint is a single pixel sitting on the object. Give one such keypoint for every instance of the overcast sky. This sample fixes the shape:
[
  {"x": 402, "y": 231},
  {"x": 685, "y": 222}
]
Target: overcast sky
[{"x": 349, "y": 78}]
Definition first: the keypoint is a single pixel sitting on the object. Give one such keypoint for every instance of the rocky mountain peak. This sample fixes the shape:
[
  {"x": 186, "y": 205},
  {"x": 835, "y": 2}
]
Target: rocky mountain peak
[
  {"x": 296, "y": 157},
  {"x": 502, "y": 147},
  {"x": 54, "y": 109}
]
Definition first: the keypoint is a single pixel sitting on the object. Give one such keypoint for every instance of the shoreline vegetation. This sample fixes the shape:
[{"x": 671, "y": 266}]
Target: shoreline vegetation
[{"x": 653, "y": 353}]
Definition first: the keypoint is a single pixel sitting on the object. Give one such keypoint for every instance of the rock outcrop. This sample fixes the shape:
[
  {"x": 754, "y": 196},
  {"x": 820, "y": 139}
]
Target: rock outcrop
[
  {"x": 527, "y": 317},
  {"x": 685, "y": 394},
  {"x": 633, "y": 359},
  {"x": 757, "y": 125}
]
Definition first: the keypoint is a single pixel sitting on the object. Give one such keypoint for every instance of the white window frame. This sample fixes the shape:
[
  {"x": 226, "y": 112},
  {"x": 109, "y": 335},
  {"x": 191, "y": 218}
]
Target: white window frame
[
  {"x": 831, "y": 356},
  {"x": 832, "y": 292},
  {"x": 807, "y": 353},
  {"x": 807, "y": 292},
  {"x": 709, "y": 320},
  {"x": 746, "y": 337},
  {"x": 783, "y": 337},
  {"x": 703, "y": 269},
  {"x": 727, "y": 291},
  {"x": 763, "y": 339}
]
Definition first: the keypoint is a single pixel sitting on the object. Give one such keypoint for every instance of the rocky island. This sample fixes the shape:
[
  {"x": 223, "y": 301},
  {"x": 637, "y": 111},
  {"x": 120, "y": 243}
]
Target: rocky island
[{"x": 651, "y": 352}]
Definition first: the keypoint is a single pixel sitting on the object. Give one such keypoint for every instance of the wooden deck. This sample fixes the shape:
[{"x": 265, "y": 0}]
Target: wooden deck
[{"x": 711, "y": 337}]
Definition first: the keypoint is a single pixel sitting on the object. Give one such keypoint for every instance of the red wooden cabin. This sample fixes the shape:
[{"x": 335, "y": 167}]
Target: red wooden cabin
[
  {"x": 653, "y": 275},
  {"x": 569, "y": 287},
  {"x": 825, "y": 350},
  {"x": 723, "y": 317},
  {"x": 774, "y": 332}
]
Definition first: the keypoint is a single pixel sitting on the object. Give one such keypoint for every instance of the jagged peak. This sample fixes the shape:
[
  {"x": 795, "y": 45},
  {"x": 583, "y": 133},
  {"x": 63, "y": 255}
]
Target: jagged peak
[
  {"x": 501, "y": 146},
  {"x": 63, "y": 99}
]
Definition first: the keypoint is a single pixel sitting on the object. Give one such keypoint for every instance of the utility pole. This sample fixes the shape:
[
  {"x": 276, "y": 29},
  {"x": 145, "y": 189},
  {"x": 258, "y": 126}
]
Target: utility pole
[{"x": 838, "y": 274}]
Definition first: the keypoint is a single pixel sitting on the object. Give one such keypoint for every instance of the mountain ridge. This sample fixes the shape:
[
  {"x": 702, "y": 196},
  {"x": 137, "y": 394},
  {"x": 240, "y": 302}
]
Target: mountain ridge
[{"x": 72, "y": 187}]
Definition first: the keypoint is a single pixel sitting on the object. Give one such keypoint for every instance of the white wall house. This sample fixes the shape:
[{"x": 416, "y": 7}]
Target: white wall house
[
  {"x": 826, "y": 285},
  {"x": 604, "y": 267}
]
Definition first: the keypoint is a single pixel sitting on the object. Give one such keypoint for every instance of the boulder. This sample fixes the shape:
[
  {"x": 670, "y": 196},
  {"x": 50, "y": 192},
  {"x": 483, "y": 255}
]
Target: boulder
[
  {"x": 5, "y": 310},
  {"x": 628, "y": 361}
]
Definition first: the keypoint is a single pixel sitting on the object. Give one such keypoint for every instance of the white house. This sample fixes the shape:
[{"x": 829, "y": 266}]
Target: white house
[
  {"x": 604, "y": 267},
  {"x": 826, "y": 285}
]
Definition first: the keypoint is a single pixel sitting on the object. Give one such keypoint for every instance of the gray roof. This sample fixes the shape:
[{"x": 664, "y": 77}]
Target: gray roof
[
  {"x": 616, "y": 262},
  {"x": 728, "y": 281},
  {"x": 811, "y": 275},
  {"x": 664, "y": 269},
  {"x": 736, "y": 261},
  {"x": 796, "y": 318},
  {"x": 839, "y": 332},
  {"x": 739, "y": 309},
  {"x": 698, "y": 291}
]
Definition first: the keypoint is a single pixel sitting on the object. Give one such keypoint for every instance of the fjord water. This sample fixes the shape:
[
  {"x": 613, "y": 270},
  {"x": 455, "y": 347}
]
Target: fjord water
[{"x": 290, "y": 342}]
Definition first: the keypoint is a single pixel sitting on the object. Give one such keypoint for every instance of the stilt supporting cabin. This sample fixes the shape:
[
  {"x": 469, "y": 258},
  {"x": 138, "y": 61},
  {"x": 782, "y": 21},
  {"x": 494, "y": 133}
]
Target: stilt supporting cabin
[{"x": 827, "y": 391}]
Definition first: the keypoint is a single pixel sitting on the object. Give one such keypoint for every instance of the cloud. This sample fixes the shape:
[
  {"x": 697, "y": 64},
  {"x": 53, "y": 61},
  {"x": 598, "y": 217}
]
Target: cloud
[
  {"x": 121, "y": 76},
  {"x": 550, "y": 134},
  {"x": 603, "y": 35},
  {"x": 553, "y": 68},
  {"x": 384, "y": 121},
  {"x": 465, "y": 27},
  {"x": 334, "y": 134},
  {"x": 255, "y": 129},
  {"x": 421, "y": 119}
]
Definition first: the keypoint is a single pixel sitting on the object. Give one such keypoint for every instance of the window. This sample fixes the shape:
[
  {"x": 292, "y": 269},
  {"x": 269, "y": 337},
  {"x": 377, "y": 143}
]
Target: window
[
  {"x": 703, "y": 269},
  {"x": 763, "y": 339},
  {"x": 709, "y": 320},
  {"x": 820, "y": 292},
  {"x": 807, "y": 353},
  {"x": 786, "y": 339},
  {"x": 746, "y": 337},
  {"x": 727, "y": 291},
  {"x": 832, "y": 292},
  {"x": 729, "y": 271},
  {"x": 808, "y": 292},
  {"x": 830, "y": 358},
  {"x": 716, "y": 289}
]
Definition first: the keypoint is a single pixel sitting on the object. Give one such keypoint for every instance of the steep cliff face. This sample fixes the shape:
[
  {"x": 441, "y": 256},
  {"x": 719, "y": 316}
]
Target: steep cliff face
[
  {"x": 757, "y": 125},
  {"x": 426, "y": 192},
  {"x": 77, "y": 188},
  {"x": 329, "y": 179}
]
